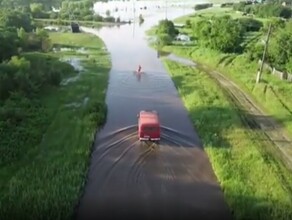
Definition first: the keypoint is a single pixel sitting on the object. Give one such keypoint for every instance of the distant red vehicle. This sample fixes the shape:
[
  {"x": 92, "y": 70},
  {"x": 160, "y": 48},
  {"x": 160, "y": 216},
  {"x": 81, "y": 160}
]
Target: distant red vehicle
[{"x": 148, "y": 126}]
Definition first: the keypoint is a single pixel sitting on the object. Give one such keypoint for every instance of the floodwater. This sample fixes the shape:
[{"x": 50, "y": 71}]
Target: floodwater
[
  {"x": 126, "y": 10},
  {"x": 128, "y": 179}
]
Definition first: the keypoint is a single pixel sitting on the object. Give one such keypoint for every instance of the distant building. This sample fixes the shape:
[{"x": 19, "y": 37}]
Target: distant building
[
  {"x": 182, "y": 37},
  {"x": 51, "y": 28},
  {"x": 55, "y": 10}
]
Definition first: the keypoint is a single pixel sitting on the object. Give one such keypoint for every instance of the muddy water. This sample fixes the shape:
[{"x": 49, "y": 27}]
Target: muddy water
[{"x": 172, "y": 180}]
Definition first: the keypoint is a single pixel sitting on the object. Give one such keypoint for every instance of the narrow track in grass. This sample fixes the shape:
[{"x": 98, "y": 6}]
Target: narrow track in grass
[
  {"x": 264, "y": 127},
  {"x": 256, "y": 119}
]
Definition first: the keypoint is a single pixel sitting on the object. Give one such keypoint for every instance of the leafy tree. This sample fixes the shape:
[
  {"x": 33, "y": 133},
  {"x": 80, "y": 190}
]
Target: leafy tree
[
  {"x": 165, "y": 32},
  {"x": 17, "y": 19},
  {"x": 163, "y": 40},
  {"x": 202, "y": 6},
  {"x": 166, "y": 27},
  {"x": 23, "y": 37},
  {"x": 81, "y": 10},
  {"x": 227, "y": 5},
  {"x": 279, "y": 1},
  {"x": 255, "y": 51},
  {"x": 37, "y": 10},
  {"x": 9, "y": 43},
  {"x": 43, "y": 36},
  {"x": 264, "y": 10},
  {"x": 280, "y": 47},
  {"x": 240, "y": 6},
  {"x": 251, "y": 24},
  {"x": 220, "y": 33},
  {"x": 188, "y": 23},
  {"x": 21, "y": 68},
  {"x": 289, "y": 65}
]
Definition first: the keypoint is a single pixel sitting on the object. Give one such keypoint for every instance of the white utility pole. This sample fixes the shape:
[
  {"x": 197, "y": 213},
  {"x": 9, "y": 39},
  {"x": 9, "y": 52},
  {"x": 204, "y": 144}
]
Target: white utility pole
[{"x": 165, "y": 9}]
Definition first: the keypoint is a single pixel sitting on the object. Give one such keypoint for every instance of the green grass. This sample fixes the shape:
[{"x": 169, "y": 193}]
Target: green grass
[
  {"x": 243, "y": 72},
  {"x": 46, "y": 181},
  {"x": 67, "y": 22},
  {"x": 273, "y": 95},
  {"x": 207, "y": 13},
  {"x": 213, "y": 11},
  {"x": 254, "y": 184}
]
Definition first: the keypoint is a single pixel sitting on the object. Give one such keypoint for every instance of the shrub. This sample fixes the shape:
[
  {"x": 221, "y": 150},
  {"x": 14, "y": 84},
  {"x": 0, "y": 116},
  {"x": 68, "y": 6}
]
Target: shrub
[
  {"x": 203, "y": 6},
  {"x": 251, "y": 24}
]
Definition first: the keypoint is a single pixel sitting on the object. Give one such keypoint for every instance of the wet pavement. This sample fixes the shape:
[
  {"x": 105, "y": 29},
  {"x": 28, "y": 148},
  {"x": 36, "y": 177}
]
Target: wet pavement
[{"x": 128, "y": 179}]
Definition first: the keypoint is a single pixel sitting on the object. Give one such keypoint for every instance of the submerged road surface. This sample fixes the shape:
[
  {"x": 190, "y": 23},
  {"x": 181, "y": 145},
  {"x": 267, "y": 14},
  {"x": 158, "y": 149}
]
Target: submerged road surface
[{"x": 126, "y": 179}]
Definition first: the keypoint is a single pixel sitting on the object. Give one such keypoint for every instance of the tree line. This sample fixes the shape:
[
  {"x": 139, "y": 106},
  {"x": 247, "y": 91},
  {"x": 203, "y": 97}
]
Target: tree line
[
  {"x": 203, "y": 6},
  {"x": 69, "y": 9},
  {"x": 81, "y": 10},
  {"x": 270, "y": 9},
  {"x": 25, "y": 69},
  {"x": 229, "y": 35},
  {"x": 47, "y": 4}
]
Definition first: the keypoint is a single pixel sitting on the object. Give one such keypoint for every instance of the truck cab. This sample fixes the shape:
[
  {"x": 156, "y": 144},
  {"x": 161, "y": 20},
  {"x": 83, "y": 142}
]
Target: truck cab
[{"x": 148, "y": 126}]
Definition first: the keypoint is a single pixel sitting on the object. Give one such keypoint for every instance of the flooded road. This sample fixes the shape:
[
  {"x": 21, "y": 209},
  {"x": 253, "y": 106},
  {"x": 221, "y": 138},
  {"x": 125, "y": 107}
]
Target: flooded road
[{"x": 127, "y": 179}]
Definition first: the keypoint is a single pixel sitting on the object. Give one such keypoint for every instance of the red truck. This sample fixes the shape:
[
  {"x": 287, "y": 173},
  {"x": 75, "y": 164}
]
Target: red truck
[{"x": 148, "y": 126}]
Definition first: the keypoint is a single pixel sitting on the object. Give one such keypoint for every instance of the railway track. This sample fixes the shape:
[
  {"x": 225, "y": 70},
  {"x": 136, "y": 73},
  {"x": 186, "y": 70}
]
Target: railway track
[{"x": 263, "y": 127}]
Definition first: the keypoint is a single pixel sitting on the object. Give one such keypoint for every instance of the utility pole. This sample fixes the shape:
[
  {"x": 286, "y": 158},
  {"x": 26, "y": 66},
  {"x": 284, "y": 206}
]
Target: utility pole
[
  {"x": 134, "y": 9},
  {"x": 259, "y": 74},
  {"x": 165, "y": 9}
]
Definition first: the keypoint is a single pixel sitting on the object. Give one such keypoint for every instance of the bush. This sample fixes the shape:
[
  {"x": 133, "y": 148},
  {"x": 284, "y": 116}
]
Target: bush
[
  {"x": 220, "y": 33},
  {"x": 109, "y": 19},
  {"x": 203, "y": 6},
  {"x": 163, "y": 40},
  {"x": 255, "y": 52},
  {"x": 97, "y": 112},
  {"x": 264, "y": 10},
  {"x": 240, "y": 6},
  {"x": 141, "y": 19},
  {"x": 88, "y": 18},
  {"x": 9, "y": 43},
  {"x": 54, "y": 15},
  {"x": 97, "y": 18},
  {"x": 31, "y": 72},
  {"x": 166, "y": 27},
  {"x": 227, "y": 5},
  {"x": 188, "y": 23},
  {"x": 21, "y": 125},
  {"x": 251, "y": 24}
]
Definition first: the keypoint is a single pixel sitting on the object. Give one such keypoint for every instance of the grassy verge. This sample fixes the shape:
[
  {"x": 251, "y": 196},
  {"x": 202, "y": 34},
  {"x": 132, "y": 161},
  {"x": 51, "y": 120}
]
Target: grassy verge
[
  {"x": 45, "y": 180},
  {"x": 254, "y": 184},
  {"x": 273, "y": 95},
  {"x": 213, "y": 11},
  {"x": 67, "y": 22}
]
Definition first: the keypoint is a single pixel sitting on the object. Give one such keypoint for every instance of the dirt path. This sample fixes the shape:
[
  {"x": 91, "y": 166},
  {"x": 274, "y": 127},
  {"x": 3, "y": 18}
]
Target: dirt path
[
  {"x": 255, "y": 118},
  {"x": 265, "y": 127}
]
